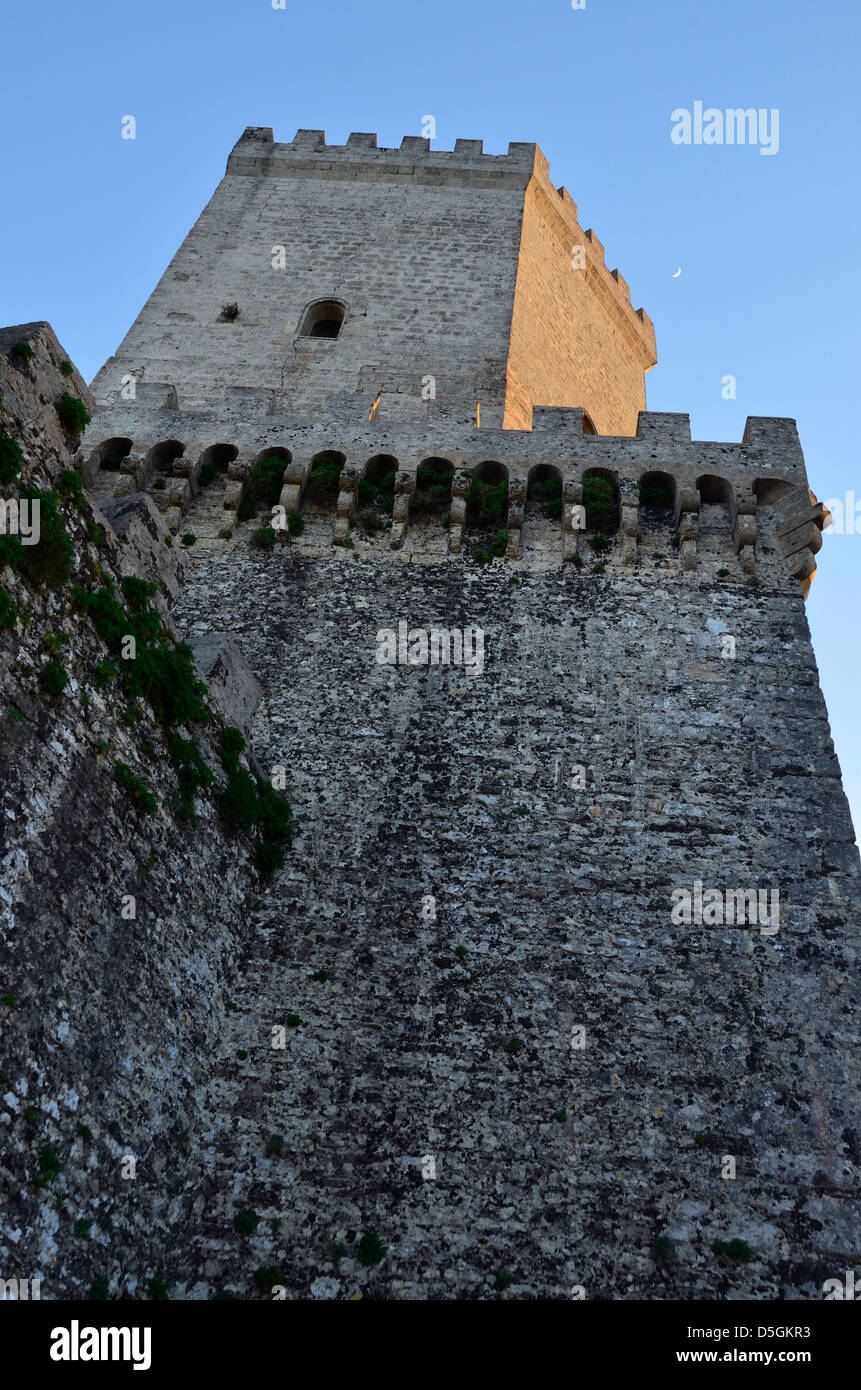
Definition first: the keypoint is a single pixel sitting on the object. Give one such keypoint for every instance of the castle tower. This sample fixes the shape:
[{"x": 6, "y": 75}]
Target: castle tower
[
  {"x": 450, "y": 278},
  {"x": 561, "y": 963}
]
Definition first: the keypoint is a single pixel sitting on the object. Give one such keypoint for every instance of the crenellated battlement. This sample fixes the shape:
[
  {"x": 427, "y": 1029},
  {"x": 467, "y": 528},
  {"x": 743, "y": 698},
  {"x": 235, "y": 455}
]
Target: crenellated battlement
[
  {"x": 456, "y": 283},
  {"x": 256, "y": 153},
  {"x": 716, "y": 494},
  {"x": 253, "y": 418}
]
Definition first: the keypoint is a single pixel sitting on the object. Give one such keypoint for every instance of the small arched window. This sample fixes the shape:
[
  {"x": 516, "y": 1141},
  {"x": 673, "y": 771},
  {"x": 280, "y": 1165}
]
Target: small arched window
[{"x": 323, "y": 319}]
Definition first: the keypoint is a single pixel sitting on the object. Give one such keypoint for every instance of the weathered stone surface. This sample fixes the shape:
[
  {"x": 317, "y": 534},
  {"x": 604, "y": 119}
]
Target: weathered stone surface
[
  {"x": 232, "y": 684},
  {"x": 495, "y": 314},
  {"x": 31, "y": 389},
  {"x": 120, "y": 934},
  {"x": 145, "y": 536},
  {"x": 700, "y": 1042}
]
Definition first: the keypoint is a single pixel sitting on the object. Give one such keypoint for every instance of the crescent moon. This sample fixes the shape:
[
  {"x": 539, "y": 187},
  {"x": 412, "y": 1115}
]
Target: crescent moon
[{"x": 678, "y": 273}]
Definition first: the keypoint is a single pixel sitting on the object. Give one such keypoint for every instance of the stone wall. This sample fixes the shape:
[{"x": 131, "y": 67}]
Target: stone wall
[
  {"x": 121, "y": 933},
  {"x": 760, "y": 480},
  {"x": 575, "y": 340},
  {"x": 420, "y": 1043},
  {"x": 451, "y": 266}
]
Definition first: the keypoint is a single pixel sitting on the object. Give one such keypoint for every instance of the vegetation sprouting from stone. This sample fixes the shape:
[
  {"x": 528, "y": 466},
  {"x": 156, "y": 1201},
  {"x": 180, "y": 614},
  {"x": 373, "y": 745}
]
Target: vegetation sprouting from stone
[
  {"x": 237, "y": 803},
  {"x": 663, "y": 1250},
  {"x": 378, "y": 491},
  {"x": 232, "y": 745},
  {"x": 432, "y": 496},
  {"x": 48, "y": 1166},
  {"x": 246, "y": 1222},
  {"x": 8, "y": 611},
  {"x": 74, "y": 416},
  {"x": 53, "y": 678},
  {"x": 486, "y": 503},
  {"x": 267, "y": 1276},
  {"x": 252, "y": 806},
  {"x": 23, "y": 350},
  {"x": 546, "y": 493},
  {"x": 103, "y": 673},
  {"x": 600, "y": 499},
  {"x": 162, "y": 671},
  {"x": 52, "y": 560},
  {"x": 325, "y": 475},
  {"x": 11, "y": 458},
  {"x": 71, "y": 484},
  {"x": 136, "y": 787},
  {"x": 371, "y": 521},
  {"x": 192, "y": 773},
  {"x": 655, "y": 493},
  {"x": 263, "y": 538},
  {"x": 371, "y": 1249},
  {"x": 265, "y": 480},
  {"x": 10, "y": 551},
  {"x": 735, "y": 1249}
]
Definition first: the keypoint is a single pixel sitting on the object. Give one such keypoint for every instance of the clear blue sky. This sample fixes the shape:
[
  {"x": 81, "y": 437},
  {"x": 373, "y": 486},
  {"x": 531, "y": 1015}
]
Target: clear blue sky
[{"x": 768, "y": 245}]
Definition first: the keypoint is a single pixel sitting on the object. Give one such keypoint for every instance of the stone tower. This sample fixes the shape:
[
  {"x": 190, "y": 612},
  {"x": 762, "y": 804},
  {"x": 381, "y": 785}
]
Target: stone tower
[
  {"x": 465, "y": 268},
  {"x": 554, "y": 990}
]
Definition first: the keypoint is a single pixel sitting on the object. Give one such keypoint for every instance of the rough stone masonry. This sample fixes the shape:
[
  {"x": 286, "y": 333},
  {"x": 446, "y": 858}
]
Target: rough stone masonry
[{"x": 458, "y": 1047}]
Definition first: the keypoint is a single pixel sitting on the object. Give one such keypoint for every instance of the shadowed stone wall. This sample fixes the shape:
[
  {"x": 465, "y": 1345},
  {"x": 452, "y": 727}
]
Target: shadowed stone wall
[{"x": 451, "y": 1039}]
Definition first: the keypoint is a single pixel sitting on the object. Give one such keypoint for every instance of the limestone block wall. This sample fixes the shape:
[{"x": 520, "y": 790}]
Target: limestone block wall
[
  {"x": 453, "y": 270},
  {"x": 575, "y": 339},
  {"x": 32, "y": 386},
  {"x": 421, "y": 249}
]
